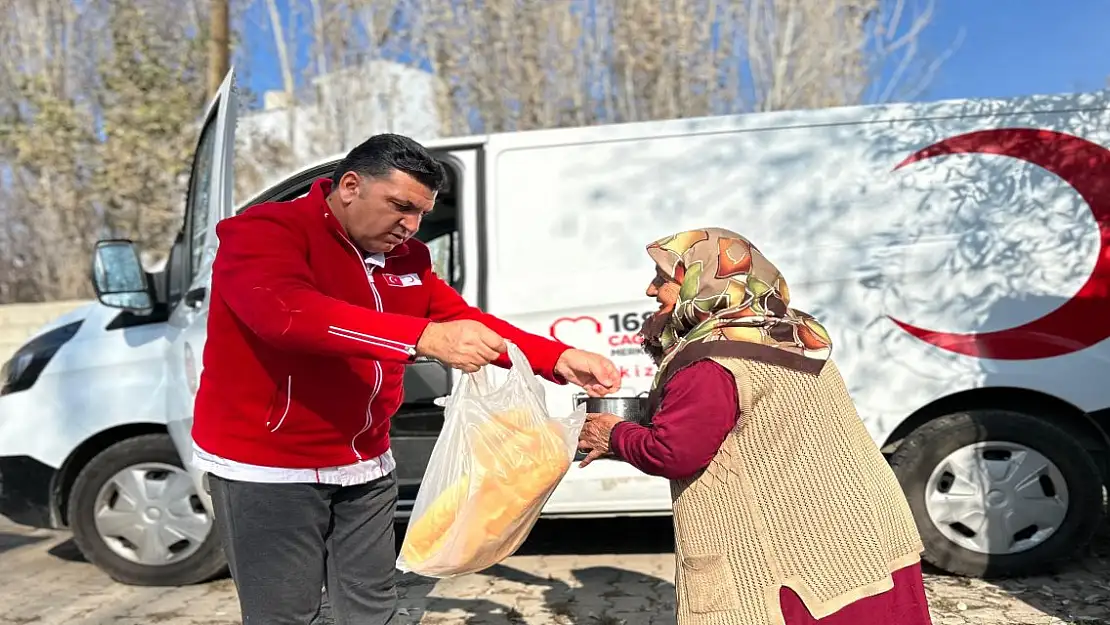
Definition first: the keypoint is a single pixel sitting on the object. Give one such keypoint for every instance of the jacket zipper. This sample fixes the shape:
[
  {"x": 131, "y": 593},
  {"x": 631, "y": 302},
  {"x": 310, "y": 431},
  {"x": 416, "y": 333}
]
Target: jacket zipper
[{"x": 377, "y": 365}]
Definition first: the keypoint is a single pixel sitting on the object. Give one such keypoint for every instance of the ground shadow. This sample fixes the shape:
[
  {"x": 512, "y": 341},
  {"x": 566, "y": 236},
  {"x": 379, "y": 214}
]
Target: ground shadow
[
  {"x": 67, "y": 550},
  {"x": 415, "y": 590},
  {"x": 618, "y": 536},
  {"x": 594, "y": 595},
  {"x": 601, "y": 594},
  {"x": 1076, "y": 591},
  {"x": 9, "y": 541},
  {"x": 605, "y": 595}
]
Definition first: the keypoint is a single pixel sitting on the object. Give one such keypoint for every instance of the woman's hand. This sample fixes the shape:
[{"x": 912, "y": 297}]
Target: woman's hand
[{"x": 595, "y": 436}]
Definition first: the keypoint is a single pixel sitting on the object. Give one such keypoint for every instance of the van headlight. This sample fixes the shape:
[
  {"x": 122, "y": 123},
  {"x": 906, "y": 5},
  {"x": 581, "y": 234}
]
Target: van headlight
[{"x": 22, "y": 370}]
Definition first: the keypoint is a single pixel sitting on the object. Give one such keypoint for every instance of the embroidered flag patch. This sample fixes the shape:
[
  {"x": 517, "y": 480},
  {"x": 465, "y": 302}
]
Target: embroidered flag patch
[{"x": 408, "y": 279}]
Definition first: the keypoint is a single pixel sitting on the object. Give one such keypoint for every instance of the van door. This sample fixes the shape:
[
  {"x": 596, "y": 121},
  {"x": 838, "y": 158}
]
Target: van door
[
  {"x": 209, "y": 200},
  {"x": 556, "y": 221}
]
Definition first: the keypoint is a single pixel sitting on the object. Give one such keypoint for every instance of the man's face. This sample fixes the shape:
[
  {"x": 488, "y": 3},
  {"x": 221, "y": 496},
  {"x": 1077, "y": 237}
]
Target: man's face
[
  {"x": 382, "y": 213},
  {"x": 665, "y": 292}
]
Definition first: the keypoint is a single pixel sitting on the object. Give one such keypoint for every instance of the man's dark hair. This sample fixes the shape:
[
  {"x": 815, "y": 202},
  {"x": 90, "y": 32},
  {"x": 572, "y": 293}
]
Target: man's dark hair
[{"x": 380, "y": 155}]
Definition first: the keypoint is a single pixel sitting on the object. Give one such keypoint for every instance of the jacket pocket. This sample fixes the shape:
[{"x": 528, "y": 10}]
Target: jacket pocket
[
  {"x": 709, "y": 583},
  {"x": 279, "y": 408}
]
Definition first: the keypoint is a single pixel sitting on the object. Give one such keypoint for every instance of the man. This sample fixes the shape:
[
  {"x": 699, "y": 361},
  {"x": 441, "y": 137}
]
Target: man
[
  {"x": 785, "y": 511},
  {"x": 309, "y": 331}
]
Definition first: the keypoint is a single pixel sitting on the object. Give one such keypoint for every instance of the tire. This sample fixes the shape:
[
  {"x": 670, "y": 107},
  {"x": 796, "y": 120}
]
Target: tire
[
  {"x": 917, "y": 463},
  {"x": 151, "y": 457}
]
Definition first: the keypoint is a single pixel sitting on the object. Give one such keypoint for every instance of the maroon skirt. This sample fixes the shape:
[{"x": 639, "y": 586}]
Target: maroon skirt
[{"x": 905, "y": 604}]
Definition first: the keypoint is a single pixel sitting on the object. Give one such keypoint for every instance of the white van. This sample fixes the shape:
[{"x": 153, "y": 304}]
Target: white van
[
  {"x": 83, "y": 437},
  {"x": 953, "y": 249}
]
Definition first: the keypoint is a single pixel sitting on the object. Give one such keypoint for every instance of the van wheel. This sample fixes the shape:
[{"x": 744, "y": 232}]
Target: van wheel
[
  {"x": 135, "y": 514},
  {"x": 998, "y": 493}
]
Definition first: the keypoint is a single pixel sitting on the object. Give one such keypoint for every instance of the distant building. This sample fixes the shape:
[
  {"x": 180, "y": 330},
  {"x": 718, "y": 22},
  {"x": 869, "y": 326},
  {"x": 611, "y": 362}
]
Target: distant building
[{"x": 342, "y": 109}]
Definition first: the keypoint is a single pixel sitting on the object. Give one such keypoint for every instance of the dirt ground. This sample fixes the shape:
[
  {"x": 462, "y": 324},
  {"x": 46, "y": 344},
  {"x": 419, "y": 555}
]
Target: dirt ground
[{"x": 569, "y": 573}]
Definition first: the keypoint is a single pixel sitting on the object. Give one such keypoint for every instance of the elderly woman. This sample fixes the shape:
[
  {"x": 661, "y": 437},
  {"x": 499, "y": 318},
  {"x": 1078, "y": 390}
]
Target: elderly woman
[{"x": 785, "y": 511}]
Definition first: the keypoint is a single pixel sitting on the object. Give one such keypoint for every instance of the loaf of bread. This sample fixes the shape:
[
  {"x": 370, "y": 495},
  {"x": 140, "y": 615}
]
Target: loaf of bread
[{"x": 517, "y": 460}]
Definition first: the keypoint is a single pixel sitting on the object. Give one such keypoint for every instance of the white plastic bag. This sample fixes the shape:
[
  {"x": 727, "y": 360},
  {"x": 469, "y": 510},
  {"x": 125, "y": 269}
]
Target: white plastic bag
[{"x": 496, "y": 462}]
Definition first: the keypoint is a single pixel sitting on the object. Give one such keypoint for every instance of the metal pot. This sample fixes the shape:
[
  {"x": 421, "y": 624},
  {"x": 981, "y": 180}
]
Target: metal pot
[{"x": 633, "y": 409}]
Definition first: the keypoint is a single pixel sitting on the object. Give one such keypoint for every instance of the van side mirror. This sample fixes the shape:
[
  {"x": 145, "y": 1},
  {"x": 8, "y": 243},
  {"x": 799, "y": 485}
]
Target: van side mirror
[{"x": 119, "y": 278}]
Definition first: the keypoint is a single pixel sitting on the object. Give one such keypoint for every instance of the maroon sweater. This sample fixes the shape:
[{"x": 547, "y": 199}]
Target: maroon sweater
[{"x": 697, "y": 411}]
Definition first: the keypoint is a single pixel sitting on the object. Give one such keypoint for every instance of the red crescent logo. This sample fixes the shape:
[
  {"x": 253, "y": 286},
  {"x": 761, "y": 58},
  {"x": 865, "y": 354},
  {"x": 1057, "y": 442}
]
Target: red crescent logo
[{"x": 1082, "y": 320}]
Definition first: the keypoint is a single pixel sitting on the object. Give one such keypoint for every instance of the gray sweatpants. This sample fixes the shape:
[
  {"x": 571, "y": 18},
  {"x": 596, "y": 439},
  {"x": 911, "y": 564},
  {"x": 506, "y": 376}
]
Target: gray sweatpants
[{"x": 284, "y": 541}]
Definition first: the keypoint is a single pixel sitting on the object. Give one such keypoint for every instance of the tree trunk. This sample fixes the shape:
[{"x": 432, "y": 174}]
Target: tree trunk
[{"x": 219, "y": 45}]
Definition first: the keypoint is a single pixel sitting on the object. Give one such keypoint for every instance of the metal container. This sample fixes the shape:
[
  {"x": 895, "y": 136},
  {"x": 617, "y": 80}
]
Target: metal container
[{"x": 634, "y": 409}]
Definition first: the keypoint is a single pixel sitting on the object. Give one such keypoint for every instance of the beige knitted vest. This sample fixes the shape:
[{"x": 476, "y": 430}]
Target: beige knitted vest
[{"x": 799, "y": 496}]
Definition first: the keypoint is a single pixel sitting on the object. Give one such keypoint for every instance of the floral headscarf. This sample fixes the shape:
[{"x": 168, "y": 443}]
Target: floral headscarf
[{"x": 732, "y": 302}]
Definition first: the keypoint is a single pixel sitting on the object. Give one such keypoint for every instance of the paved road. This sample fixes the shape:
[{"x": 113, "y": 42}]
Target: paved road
[{"x": 569, "y": 573}]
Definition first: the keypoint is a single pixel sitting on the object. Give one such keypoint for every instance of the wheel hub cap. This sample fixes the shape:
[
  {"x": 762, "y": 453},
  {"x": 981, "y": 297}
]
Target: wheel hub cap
[
  {"x": 996, "y": 498},
  {"x": 150, "y": 514}
]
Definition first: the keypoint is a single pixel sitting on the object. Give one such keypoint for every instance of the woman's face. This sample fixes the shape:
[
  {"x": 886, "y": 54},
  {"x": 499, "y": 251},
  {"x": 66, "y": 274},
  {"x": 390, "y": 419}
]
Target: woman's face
[{"x": 665, "y": 291}]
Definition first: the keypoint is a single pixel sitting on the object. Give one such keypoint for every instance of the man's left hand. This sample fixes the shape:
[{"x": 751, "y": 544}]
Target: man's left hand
[
  {"x": 595, "y": 373},
  {"x": 595, "y": 435}
]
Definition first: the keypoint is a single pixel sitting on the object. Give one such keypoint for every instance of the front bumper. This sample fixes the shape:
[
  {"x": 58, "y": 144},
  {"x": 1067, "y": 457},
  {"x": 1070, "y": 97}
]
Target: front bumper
[{"x": 25, "y": 491}]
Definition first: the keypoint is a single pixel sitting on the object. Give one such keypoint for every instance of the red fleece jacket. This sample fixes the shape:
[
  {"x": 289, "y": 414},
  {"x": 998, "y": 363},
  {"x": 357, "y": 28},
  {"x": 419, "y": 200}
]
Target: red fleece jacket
[{"x": 307, "y": 343}]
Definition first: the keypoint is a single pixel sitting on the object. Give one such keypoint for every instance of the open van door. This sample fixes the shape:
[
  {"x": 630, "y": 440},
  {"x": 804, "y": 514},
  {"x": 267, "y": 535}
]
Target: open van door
[
  {"x": 209, "y": 201},
  {"x": 159, "y": 533}
]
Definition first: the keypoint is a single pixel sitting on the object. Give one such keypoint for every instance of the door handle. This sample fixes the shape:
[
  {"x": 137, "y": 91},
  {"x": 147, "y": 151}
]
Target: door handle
[{"x": 195, "y": 297}]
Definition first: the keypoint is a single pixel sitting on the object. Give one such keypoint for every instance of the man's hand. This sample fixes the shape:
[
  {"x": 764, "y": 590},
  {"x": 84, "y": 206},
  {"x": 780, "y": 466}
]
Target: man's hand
[
  {"x": 595, "y": 436},
  {"x": 595, "y": 373},
  {"x": 466, "y": 345}
]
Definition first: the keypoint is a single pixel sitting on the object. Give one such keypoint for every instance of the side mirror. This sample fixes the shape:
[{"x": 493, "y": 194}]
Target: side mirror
[{"x": 119, "y": 278}]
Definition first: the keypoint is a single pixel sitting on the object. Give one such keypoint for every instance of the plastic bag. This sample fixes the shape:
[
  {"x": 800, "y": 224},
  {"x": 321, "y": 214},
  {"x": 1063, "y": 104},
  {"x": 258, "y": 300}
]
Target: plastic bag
[{"x": 496, "y": 462}]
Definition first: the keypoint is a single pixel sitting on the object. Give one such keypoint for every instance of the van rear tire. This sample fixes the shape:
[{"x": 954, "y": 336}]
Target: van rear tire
[
  {"x": 110, "y": 529},
  {"x": 1007, "y": 469}
]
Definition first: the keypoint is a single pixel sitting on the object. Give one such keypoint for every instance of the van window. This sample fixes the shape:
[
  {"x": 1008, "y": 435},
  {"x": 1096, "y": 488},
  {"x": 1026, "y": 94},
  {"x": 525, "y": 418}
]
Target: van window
[
  {"x": 175, "y": 271},
  {"x": 440, "y": 231},
  {"x": 200, "y": 200},
  {"x": 445, "y": 257}
]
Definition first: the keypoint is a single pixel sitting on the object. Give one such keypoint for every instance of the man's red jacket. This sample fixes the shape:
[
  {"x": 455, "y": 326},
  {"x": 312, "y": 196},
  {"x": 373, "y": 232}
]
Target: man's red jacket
[{"x": 307, "y": 344}]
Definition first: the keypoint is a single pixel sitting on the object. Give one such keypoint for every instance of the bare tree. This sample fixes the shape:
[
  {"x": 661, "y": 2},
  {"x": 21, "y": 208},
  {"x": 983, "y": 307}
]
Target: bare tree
[
  {"x": 219, "y": 44},
  {"x": 49, "y": 216},
  {"x": 503, "y": 65},
  {"x": 285, "y": 63},
  {"x": 355, "y": 79},
  {"x": 352, "y": 88},
  {"x": 97, "y": 124},
  {"x": 565, "y": 62},
  {"x": 100, "y": 100},
  {"x": 152, "y": 93}
]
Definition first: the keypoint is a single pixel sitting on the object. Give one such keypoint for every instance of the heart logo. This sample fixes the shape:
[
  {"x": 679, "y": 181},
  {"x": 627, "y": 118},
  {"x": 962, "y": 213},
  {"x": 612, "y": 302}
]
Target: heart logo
[{"x": 579, "y": 332}]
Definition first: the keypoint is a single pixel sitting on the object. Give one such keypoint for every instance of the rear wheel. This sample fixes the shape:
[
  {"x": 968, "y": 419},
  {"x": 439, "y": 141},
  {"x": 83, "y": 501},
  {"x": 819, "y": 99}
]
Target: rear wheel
[
  {"x": 135, "y": 514},
  {"x": 998, "y": 493}
]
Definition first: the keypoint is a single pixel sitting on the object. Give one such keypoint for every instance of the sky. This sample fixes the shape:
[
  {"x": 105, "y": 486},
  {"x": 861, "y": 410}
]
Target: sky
[
  {"x": 1006, "y": 48},
  {"x": 1020, "y": 47}
]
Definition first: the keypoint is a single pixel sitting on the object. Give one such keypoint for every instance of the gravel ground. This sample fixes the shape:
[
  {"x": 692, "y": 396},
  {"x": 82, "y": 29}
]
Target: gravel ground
[{"x": 569, "y": 573}]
